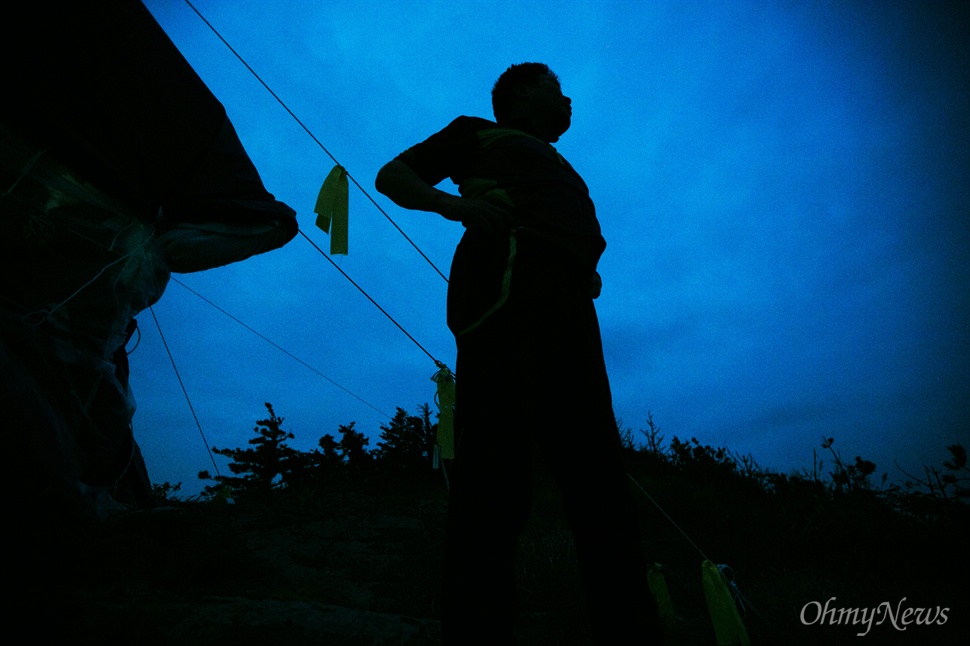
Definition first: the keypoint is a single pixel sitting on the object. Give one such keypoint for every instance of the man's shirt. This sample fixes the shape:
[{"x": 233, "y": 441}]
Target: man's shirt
[{"x": 556, "y": 240}]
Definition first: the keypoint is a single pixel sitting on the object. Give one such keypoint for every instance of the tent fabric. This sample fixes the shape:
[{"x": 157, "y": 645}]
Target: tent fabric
[
  {"x": 101, "y": 85},
  {"x": 75, "y": 269},
  {"x": 118, "y": 166}
]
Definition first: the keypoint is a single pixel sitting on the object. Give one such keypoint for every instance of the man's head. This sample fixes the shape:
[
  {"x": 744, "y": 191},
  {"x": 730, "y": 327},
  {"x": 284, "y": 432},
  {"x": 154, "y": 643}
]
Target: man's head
[{"x": 528, "y": 96}]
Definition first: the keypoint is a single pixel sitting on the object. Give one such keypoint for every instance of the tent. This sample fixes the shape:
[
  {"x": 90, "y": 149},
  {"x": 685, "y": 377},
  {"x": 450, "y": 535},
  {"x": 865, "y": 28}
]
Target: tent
[{"x": 118, "y": 166}]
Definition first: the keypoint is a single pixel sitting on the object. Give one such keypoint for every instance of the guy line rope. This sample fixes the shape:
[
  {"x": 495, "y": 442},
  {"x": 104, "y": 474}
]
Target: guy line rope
[{"x": 438, "y": 363}]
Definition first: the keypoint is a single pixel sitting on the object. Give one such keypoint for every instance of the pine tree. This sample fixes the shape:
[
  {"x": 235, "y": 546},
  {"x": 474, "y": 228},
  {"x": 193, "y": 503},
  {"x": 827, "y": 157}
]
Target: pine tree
[
  {"x": 265, "y": 467},
  {"x": 353, "y": 449},
  {"x": 330, "y": 456},
  {"x": 407, "y": 442}
]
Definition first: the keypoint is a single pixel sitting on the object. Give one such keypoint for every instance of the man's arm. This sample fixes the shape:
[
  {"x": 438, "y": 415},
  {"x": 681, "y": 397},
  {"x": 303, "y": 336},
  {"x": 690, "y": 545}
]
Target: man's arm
[{"x": 405, "y": 188}]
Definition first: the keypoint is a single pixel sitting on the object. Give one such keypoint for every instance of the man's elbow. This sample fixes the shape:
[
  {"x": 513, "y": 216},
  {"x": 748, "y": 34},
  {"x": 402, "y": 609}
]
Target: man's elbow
[
  {"x": 384, "y": 182},
  {"x": 380, "y": 182},
  {"x": 403, "y": 186}
]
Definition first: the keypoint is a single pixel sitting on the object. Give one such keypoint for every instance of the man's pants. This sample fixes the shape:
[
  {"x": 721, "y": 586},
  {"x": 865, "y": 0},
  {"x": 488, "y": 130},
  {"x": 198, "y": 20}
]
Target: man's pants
[{"x": 533, "y": 375}]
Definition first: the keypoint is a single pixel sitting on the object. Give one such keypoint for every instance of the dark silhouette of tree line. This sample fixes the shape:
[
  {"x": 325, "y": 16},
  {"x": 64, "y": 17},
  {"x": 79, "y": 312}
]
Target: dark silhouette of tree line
[{"x": 405, "y": 450}]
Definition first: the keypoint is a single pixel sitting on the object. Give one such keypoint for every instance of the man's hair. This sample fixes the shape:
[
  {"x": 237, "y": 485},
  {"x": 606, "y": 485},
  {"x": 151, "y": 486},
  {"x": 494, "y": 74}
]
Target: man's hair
[{"x": 515, "y": 77}]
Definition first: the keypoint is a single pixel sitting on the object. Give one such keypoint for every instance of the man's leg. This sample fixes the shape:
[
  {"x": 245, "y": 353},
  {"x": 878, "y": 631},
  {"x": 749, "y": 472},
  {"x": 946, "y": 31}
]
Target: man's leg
[
  {"x": 581, "y": 442},
  {"x": 489, "y": 496}
]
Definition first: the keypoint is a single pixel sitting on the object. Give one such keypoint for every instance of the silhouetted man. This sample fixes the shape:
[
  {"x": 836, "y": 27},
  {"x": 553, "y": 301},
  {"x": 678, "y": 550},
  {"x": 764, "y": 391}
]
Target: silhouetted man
[{"x": 530, "y": 369}]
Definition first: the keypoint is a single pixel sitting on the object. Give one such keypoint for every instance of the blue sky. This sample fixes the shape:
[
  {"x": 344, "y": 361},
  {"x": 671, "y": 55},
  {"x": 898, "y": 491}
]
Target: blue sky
[{"x": 783, "y": 188}]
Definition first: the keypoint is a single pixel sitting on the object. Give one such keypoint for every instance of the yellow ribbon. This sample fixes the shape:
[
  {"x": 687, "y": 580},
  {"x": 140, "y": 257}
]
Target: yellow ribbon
[
  {"x": 445, "y": 399},
  {"x": 658, "y": 586},
  {"x": 728, "y": 627},
  {"x": 332, "y": 209}
]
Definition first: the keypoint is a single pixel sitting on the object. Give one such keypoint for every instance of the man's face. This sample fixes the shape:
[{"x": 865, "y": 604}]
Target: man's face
[{"x": 549, "y": 110}]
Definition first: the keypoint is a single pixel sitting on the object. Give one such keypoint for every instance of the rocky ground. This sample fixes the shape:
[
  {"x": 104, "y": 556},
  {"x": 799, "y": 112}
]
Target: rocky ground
[
  {"x": 345, "y": 568},
  {"x": 356, "y": 567}
]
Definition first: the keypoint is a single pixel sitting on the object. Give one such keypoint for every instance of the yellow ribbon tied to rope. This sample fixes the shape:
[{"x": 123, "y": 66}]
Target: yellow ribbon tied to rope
[
  {"x": 658, "y": 586},
  {"x": 445, "y": 398},
  {"x": 332, "y": 209},
  {"x": 728, "y": 627}
]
